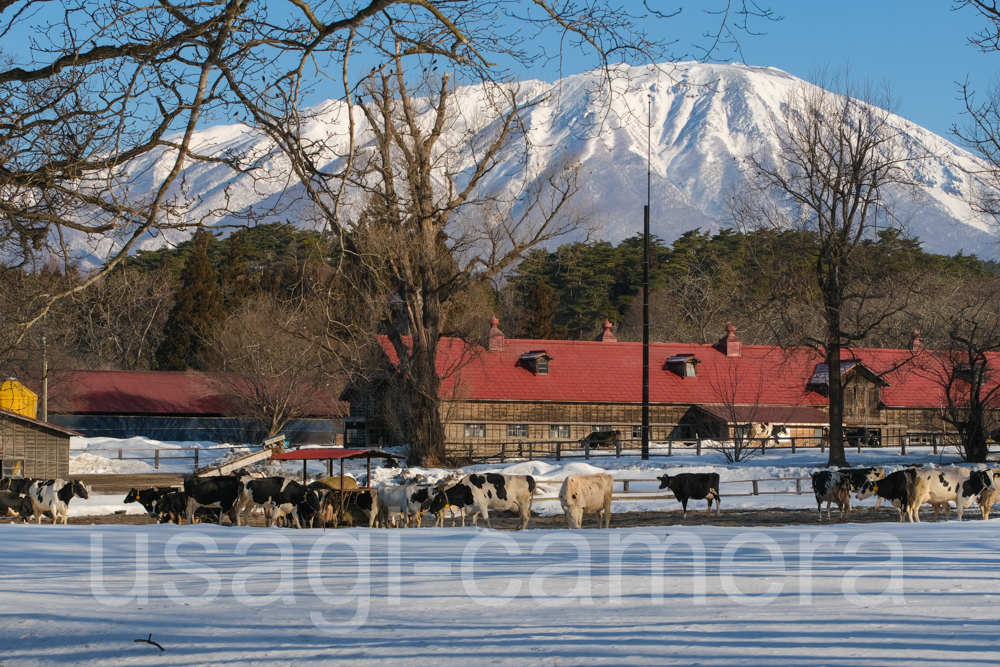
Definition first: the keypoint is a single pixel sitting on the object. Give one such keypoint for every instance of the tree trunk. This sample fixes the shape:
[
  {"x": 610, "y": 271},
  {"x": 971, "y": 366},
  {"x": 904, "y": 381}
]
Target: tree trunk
[
  {"x": 975, "y": 437},
  {"x": 836, "y": 391}
]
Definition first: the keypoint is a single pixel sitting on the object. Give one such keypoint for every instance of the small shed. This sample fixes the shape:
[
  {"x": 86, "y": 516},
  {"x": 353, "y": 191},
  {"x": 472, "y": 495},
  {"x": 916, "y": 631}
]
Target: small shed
[{"x": 33, "y": 448}]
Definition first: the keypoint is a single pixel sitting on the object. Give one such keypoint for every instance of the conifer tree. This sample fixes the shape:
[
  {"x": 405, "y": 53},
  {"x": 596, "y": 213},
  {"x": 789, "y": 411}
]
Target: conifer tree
[{"x": 198, "y": 306}]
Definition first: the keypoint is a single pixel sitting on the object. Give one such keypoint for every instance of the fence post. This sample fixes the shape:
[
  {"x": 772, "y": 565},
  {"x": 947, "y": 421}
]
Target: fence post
[
  {"x": 156, "y": 458},
  {"x": 618, "y": 449},
  {"x": 119, "y": 455},
  {"x": 902, "y": 445},
  {"x": 822, "y": 446},
  {"x": 670, "y": 447},
  {"x": 798, "y": 487},
  {"x": 531, "y": 451},
  {"x": 195, "y": 459},
  {"x": 763, "y": 447},
  {"x": 697, "y": 449},
  {"x": 558, "y": 451},
  {"x": 503, "y": 452},
  {"x": 586, "y": 449},
  {"x": 624, "y": 486},
  {"x": 754, "y": 487},
  {"x": 793, "y": 445}
]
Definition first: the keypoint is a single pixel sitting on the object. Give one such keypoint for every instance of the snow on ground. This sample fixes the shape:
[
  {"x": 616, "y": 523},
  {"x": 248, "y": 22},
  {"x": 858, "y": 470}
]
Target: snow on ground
[{"x": 850, "y": 595}]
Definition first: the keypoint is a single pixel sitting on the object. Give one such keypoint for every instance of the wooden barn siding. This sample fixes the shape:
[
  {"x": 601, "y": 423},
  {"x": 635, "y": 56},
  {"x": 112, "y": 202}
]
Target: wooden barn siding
[{"x": 45, "y": 455}]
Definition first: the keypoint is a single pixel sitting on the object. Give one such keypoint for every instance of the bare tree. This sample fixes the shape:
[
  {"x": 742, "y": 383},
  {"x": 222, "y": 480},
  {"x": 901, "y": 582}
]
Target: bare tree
[
  {"x": 268, "y": 369},
  {"x": 964, "y": 332},
  {"x": 839, "y": 163}
]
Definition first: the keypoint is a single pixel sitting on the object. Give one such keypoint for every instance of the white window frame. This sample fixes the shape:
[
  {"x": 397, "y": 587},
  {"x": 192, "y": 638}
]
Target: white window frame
[
  {"x": 517, "y": 430},
  {"x": 475, "y": 430},
  {"x": 562, "y": 431},
  {"x": 9, "y": 464}
]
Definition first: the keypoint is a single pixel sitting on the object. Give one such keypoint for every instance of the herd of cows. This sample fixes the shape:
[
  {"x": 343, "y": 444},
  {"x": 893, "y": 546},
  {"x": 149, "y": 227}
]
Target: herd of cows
[{"x": 284, "y": 501}]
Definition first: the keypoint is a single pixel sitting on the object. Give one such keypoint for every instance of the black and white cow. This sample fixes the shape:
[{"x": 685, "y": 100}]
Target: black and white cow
[
  {"x": 409, "y": 500},
  {"x": 859, "y": 476},
  {"x": 280, "y": 495},
  {"x": 53, "y": 495},
  {"x": 224, "y": 492},
  {"x": 832, "y": 487},
  {"x": 491, "y": 491},
  {"x": 17, "y": 485},
  {"x": 954, "y": 483},
  {"x": 15, "y": 505},
  {"x": 902, "y": 488},
  {"x": 148, "y": 497},
  {"x": 694, "y": 485}
]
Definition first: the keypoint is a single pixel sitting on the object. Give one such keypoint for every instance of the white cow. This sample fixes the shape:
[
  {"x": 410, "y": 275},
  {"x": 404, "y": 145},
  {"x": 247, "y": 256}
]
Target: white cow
[
  {"x": 581, "y": 494},
  {"x": 53, "y": 495},
  {"x": 955, "y": 484}
]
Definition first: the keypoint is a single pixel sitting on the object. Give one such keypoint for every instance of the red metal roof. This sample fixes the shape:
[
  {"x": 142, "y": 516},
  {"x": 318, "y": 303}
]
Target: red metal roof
[
  {"x": 324, "y": 453},
  {"x": 185, "y": 393},
  {"x": 602, "y": 372}
]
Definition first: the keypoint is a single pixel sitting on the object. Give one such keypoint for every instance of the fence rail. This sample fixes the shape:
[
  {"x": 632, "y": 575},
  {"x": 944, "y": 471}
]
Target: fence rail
[
  {"x": 626, "y": 493},
  {"x": 157, "y": 456},
  {"x": 530, "y": 450}
]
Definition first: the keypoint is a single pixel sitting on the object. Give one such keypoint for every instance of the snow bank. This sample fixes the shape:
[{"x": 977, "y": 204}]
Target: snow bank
[{"x": 866, "y": 596}]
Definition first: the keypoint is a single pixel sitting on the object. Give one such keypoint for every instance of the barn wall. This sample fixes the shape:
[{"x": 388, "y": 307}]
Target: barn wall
[
  {"x": 45, "y": 454},
  {"x": 195, "y": 429}
]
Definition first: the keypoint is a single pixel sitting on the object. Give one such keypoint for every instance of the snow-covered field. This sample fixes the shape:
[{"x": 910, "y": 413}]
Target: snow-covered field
[{"x": 858, "y": 595}]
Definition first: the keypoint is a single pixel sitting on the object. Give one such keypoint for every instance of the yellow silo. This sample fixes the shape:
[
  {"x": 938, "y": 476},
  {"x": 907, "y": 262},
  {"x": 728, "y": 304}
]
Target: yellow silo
[{"x": 15, "y": 397}]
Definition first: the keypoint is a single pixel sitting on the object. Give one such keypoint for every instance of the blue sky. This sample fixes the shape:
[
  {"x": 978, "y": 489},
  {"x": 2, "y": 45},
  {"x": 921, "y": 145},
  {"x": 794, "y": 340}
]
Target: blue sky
[{"x": 920, "y": 47}]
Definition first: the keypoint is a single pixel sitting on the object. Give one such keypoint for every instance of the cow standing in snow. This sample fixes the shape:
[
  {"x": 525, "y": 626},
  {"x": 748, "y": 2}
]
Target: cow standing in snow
[
  {"x": 53, "y": 495},
  {"x": 832, "y": 487},
  {"x": 580, "y": 494},
  {"x": 699, "y": 486},
  {"x": 491, "y": 491}
]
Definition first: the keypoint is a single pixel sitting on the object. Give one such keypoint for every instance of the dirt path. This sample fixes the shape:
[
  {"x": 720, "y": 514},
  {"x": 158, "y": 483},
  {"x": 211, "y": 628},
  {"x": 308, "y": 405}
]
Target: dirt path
[{"x": 509, "y": 521}]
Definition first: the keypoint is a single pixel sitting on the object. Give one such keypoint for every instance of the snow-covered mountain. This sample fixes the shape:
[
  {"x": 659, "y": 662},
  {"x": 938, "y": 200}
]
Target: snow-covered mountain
[{"x": 704, "y": 118}]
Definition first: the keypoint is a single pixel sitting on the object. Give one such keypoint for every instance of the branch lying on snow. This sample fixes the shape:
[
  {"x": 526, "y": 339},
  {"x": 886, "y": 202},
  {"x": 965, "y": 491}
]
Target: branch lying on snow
[{"x": 150, "y": 641}]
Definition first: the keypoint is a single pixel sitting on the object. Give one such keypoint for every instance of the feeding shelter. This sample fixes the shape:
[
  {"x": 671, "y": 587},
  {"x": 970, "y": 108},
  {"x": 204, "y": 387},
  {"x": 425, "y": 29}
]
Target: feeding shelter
[{"x": 330, "y": 454}]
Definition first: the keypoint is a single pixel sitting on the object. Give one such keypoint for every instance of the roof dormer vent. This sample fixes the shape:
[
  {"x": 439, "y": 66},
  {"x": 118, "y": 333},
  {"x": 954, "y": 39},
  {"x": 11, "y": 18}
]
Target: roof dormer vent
[
  {"x": 606, "y": 336},
  {"x": 537, "y": 361},
  {"x": 685, "y": 365}
]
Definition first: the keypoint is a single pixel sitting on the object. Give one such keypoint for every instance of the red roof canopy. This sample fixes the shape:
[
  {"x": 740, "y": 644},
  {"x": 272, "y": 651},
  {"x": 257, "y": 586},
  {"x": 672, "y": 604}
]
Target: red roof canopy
[{"x": 325, "y": 453}]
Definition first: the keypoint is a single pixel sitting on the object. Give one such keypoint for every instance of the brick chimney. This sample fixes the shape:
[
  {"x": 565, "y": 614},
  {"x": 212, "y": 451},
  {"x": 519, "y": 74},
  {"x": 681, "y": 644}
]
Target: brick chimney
[
  {"x": 916, "y": 344},
  {"x": 606, "y": 336},
  {"x": 729, "y": 344},
  {"x": 496, "y": 336}
]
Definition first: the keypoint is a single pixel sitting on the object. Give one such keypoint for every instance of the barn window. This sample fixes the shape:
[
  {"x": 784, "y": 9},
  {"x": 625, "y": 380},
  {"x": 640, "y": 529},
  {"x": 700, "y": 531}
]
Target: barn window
[
  {"x": 475, "y": 430},
  {"x": 559, "y": 431},
  {"x": 517, "y": 430},
  {"x": 600, "y": 429},
  {"x": 683, "y": 432},
  {"x": 536, "y": 361},
  {"x": 637, "y": 432},
  {"x": 685, "y": 365},
  {"x": 13, "y": 468}
]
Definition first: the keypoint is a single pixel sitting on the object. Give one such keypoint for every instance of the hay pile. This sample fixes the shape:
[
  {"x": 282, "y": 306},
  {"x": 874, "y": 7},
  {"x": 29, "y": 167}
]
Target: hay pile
[{"x": 352, "y": 515}]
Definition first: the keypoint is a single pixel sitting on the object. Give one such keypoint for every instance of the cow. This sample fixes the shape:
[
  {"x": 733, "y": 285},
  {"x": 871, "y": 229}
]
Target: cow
[
  {"x": 18, "y": 485},
  {"x": 599, "y": 438},
  {"x": 832, "y": 487},
  {"x": 15, "y": 505},
  {"x": 54, "y": 495},
  {"x": 581, "y": 494},
  {"x": 950, "y": 484},
  {"x": 765, "y": 431},
  {"x": 902, "y": 488},
  {"x": 989, "y": 496},
  {"x": 490, "y": 491},
  {"x": 224, "y": 492},
  {"x": 365, "y": 500},
  {"x": 171, "y": 507},
  {"x": 699, "y": 486},
  {"x": 279, "y": 494},
  {"x": 859, "y": 476},
  {"x": 148, "y": 497},
  {"x": 409, "y": 500}
]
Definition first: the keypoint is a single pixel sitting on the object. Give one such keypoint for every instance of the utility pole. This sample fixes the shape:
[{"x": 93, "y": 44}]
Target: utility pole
[
  {"x": 645, "y": 287},
  {"x": 45, "y": 381}
]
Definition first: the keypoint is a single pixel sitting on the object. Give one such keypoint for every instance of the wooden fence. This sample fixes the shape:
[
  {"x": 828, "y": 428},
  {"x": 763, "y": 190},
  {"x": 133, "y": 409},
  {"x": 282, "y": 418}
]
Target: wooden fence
[
  {"x": 485, "y": 452},
  {"x": 626, "y": 493},
  {"x": 156, "y": 457}
]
